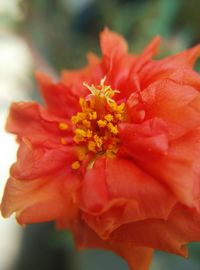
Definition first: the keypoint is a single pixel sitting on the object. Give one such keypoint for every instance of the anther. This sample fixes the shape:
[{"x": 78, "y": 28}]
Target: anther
[
  {"x": 75, "y": 165},
  {"x": 63, "y": 126}
]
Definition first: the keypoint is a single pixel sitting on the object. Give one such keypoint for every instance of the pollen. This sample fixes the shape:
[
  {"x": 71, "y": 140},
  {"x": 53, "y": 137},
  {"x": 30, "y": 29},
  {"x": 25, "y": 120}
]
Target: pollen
[
  {"x": 119, "y": 116},
  {"x": 80, "y": 132},
  {"x": 109, "y": 117},
  {"x": 89, "y": 133},
  {"x": 93, "y": 115},
  {"x": 98, "y": 140},
  {"x": 86, "y": 123},
  {"x": 78, "y": 118},
  {"x": 63, "y": 141},
  {"x": 76, "y": 165},
  {"x": 96, "y": 124},
  {"x": 81, "y": 153},
  {"x": 80, "y": 135},
  {"x": 102, "y": 90},
  {"x": 63, "y": 126},
  {"x": 92, "y": 146},
  {"x": 101, "y": 123},
  {"x": 113, "y": 129}
]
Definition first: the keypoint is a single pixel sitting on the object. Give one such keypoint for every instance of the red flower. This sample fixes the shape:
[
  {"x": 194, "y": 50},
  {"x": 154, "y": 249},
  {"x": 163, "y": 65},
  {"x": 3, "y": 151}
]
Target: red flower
[{"x": 114, "y": 153}]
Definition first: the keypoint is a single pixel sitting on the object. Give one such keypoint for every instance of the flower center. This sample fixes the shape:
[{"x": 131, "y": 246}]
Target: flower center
[{"x": 96, "y": 125}]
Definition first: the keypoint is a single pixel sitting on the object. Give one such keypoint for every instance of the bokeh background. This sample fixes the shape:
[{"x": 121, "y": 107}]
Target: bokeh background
[{"x": 51, "y": 35}]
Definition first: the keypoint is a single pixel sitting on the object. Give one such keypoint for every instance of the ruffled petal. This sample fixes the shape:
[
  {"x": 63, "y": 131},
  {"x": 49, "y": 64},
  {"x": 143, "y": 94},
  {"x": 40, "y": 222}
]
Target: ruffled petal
[
  {"x": 40, "y": 141},
  {"x": 186, "y": 76},
  {"x": 30, "y": 120},
  {"x": 117, "y": 76},
  {"x": 112, "y": 46},
  {"x": 145, "y": 140},
  {"x": 121, "y": 68},
  {"x": 93, "y": 194},
  {"x": 33, "y": 162},
  {"x": 146, "y": 55},
  {"x": 162, "y": 69},
  {"x": 176, "y": 104},
  {"x": 124, "y": 75},
  {"x": 38, "y": 200},
  {"x": 187, "y": 57},
  {"x": 182, "y": 227},
  {"x": 122, "y": 193},
  {"x": 126, "y": 180},
  {"x": 60, "y": 99},
  {"x": 138, "y": 258},
  {"x": 179, "y": 168},
  {"x": 116, "y": 62}
]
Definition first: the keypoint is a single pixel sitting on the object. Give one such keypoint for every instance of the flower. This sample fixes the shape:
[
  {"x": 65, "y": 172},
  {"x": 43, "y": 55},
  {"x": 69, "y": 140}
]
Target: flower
[{"x": 113, "y": 155}]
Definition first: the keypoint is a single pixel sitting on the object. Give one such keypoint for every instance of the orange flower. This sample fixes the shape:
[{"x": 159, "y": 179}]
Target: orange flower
[{"x": 114, "y": 153}]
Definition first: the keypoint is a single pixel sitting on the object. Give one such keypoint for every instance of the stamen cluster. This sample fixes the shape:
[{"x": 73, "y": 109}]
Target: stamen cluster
[{"x": 96, "y": 125}]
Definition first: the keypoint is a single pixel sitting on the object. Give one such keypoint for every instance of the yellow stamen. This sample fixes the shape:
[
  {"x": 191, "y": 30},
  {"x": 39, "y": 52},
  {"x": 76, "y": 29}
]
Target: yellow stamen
[
  {"x": 92, "y": 146},
  {"x": 120, "y": 108},
  {"x": 113, "y": 128},
  {"x": 102, "y": 90},
  {"x": 63, "y": 141},
  {"x": 89, "y": 133},
  {"x": 80, "y": 132},
  {"x": 63, "y": 126},
  {"x": 109, "y": 117},
  {"x": 101, "y": 123},
  {"x": 119, "y": 116},
  {"x": 93, "y": 115},
  {"x": 75, "y": 165},
  {"x": 86, "y": 123},
  {"x": 83, "y": 104},
  {"x": 81, "y": 153},
  {"x": 98, "y": 140},
  {"x": 80, "y": 116},
  {"x": 96, "y": 125}
]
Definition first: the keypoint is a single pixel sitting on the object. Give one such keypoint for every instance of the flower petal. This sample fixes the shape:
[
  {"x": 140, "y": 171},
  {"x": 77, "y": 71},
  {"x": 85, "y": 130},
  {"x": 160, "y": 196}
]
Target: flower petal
[
  {"x": 39, "y": 200},
  {"x": 93, "y": 192},
  {"x": 146, "y": 55},
  {"x": 138, "y": 258},
  {"x": 121, "y": 68},
  {"x": 182, "y": 226},
  {"x": 187, "y": 57},
  {"x": 179, "y": 168},
  {"x": 126, "y": 180},
  {"x": 33, "y": 162},
  {"x": 163, "y": 69},
  {"x": 145, "y": 140},
  {"x": 30, "y": 120},
  {"x": 112, "y": 45},
  {"x": 60, "y": 99},
  {"x": 178, "y": 105},
  {"x": 126, "y": 194},
  {"x": 116, "y": 62}
]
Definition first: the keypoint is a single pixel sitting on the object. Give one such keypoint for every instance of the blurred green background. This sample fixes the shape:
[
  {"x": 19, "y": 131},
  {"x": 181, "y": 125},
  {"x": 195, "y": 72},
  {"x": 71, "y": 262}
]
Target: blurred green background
[{"x": 57, "y": 34}]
